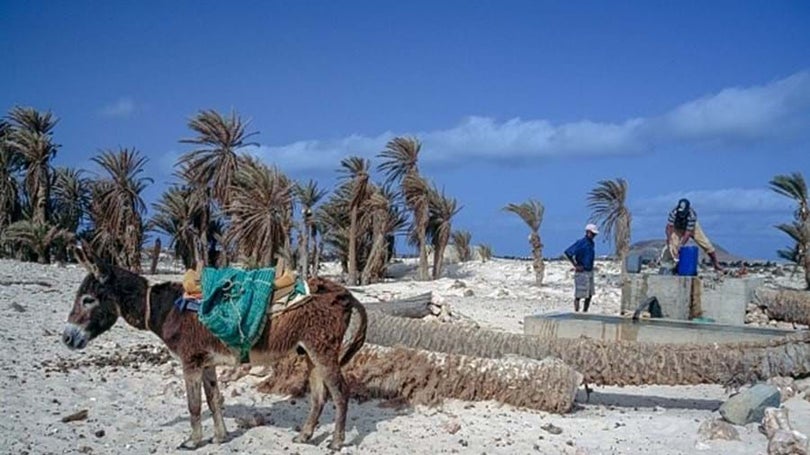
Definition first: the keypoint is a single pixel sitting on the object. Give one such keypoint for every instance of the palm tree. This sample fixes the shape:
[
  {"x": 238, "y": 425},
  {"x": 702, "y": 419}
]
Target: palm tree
[
  {"x": 70, "y": 200},
  {"x": 531, "y": 212},
  {"x": 70, "y": 197},
  {"x": 118, "y": 205},
  {"x": 10, "y": 165},
  {"x": 461, "y": 241},
  {"x": 793, "y": 253},
  {"x": 376, "y": 208},
  {"x": 179, "y": 216},
  {"x": 485, "y": 251},
  {"x": 208, "y": 222},
  {"x": 332, "y": 218},
  {"x": 442, "y": 210},
  {"x": 400, "y": 165},
  {"x": 31, "y": 137},
  {"x": 308, "y": 196},
  {"x": 795, "y": 187},
  {"x": 608, "y": 202},
  {"x": 356, "y": 170},
  {"x": 386, "y": 220},
  {"x": 37, "y": 238},
  {"x": 260, "y": 209},
  {"x": 215, "y": 162}
]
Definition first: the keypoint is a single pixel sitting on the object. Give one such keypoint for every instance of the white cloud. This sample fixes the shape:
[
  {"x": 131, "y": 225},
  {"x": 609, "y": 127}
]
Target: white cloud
[
  {"x": 723, "y": 201},
  {"x": 123, "y": 107},
  {"x": 740, "y": 113},
  {"x": 318, "y": 154},
  {"x": 732, "y": 115}
]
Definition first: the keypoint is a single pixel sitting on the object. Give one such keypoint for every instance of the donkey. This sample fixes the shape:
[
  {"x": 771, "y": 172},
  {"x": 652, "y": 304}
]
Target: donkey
[{"x": 315, "y": 329}]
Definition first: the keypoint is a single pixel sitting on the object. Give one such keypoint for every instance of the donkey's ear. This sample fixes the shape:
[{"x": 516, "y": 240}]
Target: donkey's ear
[{"x": 84, "y": 254}]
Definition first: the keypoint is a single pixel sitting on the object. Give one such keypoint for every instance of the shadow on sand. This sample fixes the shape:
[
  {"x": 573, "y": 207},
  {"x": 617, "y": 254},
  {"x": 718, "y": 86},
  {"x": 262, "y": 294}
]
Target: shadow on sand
[
  {"x": 291, "y": 413},
  {"x": 625, "y": 400}
]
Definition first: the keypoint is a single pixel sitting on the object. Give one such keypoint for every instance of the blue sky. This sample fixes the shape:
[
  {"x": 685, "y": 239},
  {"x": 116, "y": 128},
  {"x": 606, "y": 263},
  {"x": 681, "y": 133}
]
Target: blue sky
[{"x": 512, "y": 99}]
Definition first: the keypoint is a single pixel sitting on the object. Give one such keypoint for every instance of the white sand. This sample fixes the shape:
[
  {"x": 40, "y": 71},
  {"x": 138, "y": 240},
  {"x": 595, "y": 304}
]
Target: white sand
[{"x": 141, "y": 407}]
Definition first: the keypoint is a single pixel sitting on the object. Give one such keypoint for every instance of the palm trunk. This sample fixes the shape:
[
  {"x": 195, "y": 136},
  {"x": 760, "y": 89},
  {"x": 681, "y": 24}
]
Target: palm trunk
[
  {"x": 304, "y": 250},
  {"x": 623, "y": 246},
  {"x": 428, "y": 378},
  {"x": 42, "y": 254},
  {"x": 377, "y": 254},
  {"x": 155, "y": 257},
  {"x": 42, "y": 195},
  {"x": 807, "y": 267},
  {"x": 316, "y": 255},
  {"x": 785, "y": 304},
  {"x": 537, "y": 254},
  {"x": 352, "y": 261},
  {"x": 438, "y": 256},
  {"x": 421, "y": 236},
  {"x": 608, "y": 363}
]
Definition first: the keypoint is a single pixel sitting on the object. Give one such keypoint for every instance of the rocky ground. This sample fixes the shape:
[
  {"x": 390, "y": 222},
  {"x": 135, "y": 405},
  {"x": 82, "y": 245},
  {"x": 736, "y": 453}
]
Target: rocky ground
[{"x": 133, "y": 394}]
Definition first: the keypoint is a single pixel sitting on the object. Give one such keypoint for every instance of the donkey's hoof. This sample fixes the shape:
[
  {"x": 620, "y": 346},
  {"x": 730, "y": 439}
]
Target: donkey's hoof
[
  {"x": 302, "y": 438},
  {"x": 190, "y": 444},
  {"x": 220, "y": 439},
  {"x": 336, "y": 445}
]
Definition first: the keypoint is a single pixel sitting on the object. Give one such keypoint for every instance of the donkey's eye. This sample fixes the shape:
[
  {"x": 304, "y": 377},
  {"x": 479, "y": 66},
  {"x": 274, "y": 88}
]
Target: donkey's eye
[{"x": 88, "y": 300}]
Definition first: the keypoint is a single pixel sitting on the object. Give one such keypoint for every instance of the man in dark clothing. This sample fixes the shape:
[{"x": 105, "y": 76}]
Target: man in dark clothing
[
  {"x": 581, "y": 254},
  {"x": 682, "y": 225}
]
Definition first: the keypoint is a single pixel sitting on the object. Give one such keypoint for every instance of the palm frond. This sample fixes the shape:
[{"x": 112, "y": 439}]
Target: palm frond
[
  {"x": 443, "y": 209},
  {"x": 70, "y": 197},
  {"x": 791, "y": 185},
  {"x": 461, "y": 240},
  {"x": 309, "y": 194},
  {"x": 400, "y": 157},
  {"x": 30, "y": 137},
  {"x": 608, "y": 204},
  {"x": 260, "y": 211},
  {"x": 215, "y": 161},
  {"x": 531, "y": 212}
]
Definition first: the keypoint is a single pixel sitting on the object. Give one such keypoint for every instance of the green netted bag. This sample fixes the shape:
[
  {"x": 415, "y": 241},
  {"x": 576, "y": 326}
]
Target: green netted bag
[{"x": 234, "y": 305}]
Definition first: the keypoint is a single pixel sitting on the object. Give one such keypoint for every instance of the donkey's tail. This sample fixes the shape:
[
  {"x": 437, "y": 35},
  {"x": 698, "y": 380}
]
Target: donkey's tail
[{"x": 359, "y": 335}]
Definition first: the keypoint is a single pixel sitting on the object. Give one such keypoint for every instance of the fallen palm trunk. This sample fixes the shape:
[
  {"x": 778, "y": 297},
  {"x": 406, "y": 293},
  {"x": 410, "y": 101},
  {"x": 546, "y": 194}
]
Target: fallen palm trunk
[
  {"x": 608, "y": 363},
  {"x": 786, "y": 305},
  {"x": 417, "y": 306},
  {"x": 422, "y": 377}
]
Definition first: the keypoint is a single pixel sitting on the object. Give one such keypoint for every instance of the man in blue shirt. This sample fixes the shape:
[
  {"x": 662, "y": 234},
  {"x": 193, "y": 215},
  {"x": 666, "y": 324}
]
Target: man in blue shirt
[{"x": 581, "y": 255}]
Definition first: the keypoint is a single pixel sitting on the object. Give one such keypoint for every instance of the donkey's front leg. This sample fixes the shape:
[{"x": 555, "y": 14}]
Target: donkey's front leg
[
  {"x": 193, "y": 377},
  {"x": 214, "y": 398}
]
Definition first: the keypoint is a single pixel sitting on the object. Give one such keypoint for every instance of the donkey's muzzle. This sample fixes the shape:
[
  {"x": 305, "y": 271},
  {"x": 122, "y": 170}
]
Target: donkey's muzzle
[{"x": 74, "y": 337}]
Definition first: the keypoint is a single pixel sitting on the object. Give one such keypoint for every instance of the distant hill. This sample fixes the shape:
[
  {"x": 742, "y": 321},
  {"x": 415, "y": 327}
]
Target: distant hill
[{"x": 650, "y": 250}]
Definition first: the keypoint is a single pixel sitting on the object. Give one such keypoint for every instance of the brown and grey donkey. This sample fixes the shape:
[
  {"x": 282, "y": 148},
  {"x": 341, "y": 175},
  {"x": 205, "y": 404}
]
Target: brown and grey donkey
[{"x": 315, "y": 329}]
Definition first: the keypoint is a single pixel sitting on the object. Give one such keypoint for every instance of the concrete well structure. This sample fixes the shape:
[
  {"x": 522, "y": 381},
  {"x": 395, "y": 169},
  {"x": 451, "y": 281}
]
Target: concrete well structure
[{"x": 723, "y": 299}]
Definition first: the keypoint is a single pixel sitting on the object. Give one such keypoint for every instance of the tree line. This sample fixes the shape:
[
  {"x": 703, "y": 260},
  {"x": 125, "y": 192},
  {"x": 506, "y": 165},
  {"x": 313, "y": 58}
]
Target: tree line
[{"x": 225, "y": 205}]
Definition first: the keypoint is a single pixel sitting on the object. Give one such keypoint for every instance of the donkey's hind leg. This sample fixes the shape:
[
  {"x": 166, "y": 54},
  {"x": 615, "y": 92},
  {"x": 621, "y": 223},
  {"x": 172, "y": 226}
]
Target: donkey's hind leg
[
  {"x": 193, "y": 379},
  {"x": 317, "y": 398},
  {"x": 214, "y": 398},
  {"x": 333, "y": 378}
]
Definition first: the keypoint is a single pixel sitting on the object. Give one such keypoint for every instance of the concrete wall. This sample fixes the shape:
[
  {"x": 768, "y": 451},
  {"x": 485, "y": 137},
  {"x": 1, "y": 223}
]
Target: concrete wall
[
  {"x": 674, "y": 293},
  {"x": 722, "y": 299},
  {"x": 725, "y": 300}
]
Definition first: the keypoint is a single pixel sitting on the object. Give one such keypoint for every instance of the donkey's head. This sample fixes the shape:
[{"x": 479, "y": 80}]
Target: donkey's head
[{"x": 97, "y": 303}]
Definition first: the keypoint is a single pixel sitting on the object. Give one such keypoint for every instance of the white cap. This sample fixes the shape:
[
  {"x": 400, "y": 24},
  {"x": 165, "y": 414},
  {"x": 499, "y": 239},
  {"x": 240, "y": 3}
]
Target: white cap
[{"x": 592, "y": 228}]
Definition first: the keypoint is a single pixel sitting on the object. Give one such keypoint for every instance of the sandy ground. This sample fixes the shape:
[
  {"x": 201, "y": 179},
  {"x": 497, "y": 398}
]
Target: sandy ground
[{"x": 136, "y": 404}]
